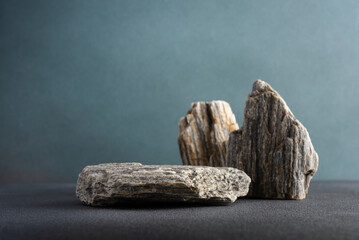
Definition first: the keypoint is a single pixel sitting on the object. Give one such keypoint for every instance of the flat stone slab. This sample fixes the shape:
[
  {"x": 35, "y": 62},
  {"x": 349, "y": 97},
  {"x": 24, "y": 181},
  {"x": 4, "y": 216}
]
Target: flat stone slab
[{"x": 112, "y": 183}]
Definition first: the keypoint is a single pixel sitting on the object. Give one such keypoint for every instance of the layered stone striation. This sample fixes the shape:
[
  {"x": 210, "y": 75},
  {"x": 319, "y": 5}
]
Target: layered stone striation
[
  {"x": 204, "y": 132},
  {"x": 272, "y": 147},
  {"x": 113, "y": 183}
]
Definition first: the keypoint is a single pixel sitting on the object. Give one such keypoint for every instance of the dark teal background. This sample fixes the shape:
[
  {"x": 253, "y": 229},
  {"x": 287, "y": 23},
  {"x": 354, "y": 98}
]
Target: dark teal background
[{"x": 87, "y": 82}]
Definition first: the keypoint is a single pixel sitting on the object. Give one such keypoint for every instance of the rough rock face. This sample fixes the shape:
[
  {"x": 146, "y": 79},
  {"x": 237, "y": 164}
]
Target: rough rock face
[
  {"x": 112, "y": 183},
  {"x": 272, "y": 147},
  {"x": 204, "y": 132}
]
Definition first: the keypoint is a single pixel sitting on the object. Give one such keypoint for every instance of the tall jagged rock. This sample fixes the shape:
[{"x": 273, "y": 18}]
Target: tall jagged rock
[
  {"x": 204, "y": 132},
  {"x": 114, "y": 183},
  {"x": 272, "y": 147}
]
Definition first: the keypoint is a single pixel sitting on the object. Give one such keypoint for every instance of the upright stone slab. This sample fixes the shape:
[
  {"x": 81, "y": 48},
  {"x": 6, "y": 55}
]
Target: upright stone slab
[
  {"x": 272, "y": 147},
  {"x": 112, "y": 183},
  {"x": 204, "y": 132}
]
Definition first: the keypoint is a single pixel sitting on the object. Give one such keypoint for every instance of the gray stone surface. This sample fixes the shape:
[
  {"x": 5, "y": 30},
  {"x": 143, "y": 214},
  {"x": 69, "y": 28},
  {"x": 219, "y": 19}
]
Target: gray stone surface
[
  {"x": 272, "y": 147},
  {"x": 204, "y": 132},
  {"x": 111, "y": 183}
]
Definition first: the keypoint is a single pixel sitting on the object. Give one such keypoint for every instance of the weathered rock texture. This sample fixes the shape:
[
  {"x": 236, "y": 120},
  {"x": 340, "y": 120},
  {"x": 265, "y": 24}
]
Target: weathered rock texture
[
  {"x": 204, "y": 132},
  {"x": 112, "y": 183},
  {"x": 272, "y": 147}
]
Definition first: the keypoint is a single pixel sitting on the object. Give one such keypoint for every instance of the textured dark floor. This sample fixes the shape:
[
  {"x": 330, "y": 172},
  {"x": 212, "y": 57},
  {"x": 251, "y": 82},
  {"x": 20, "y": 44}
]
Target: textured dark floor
[{"x": 51, "y": 211}]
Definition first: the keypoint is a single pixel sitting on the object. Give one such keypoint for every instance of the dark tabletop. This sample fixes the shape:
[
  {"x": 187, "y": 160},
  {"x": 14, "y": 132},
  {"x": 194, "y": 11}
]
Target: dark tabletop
[{"x": 51, "y": 211}]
